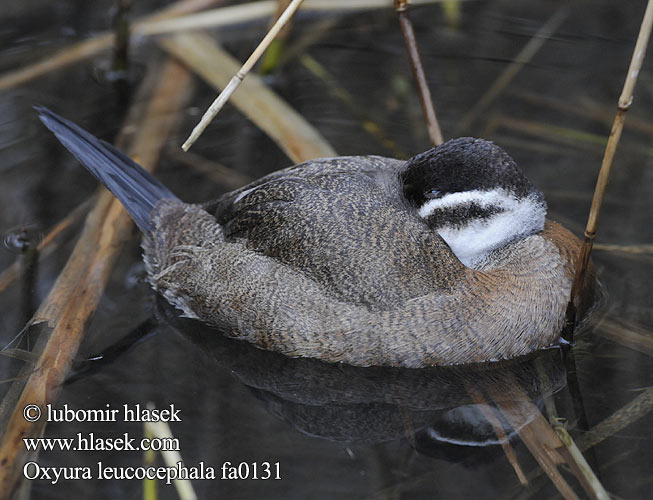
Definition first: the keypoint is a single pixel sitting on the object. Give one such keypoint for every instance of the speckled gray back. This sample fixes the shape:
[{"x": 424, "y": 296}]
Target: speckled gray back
[{"x": 342, "y": 222}]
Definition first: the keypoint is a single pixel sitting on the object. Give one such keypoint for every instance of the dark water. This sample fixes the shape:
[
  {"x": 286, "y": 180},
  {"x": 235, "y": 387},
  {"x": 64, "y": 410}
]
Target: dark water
[{"x": 336, "y": 431}]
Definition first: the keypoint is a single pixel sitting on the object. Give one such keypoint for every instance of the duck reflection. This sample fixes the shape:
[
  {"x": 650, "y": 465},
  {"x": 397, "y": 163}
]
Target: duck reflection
[{"x": 430, "y": 407}]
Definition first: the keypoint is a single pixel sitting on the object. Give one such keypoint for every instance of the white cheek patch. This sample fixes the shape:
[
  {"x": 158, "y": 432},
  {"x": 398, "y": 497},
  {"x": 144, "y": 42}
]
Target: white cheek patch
[
  {"x": 484, "y": 199},
  {"x": 471, "y": 242}
]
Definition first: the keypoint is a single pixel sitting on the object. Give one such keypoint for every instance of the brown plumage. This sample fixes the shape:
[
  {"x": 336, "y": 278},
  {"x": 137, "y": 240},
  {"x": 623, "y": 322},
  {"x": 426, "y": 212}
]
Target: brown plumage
[{"x": 332, "y": 259}]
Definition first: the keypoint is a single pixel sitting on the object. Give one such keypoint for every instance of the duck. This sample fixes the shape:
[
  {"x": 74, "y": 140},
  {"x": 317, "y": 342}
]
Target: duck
[{"x": 446, "y": 258}]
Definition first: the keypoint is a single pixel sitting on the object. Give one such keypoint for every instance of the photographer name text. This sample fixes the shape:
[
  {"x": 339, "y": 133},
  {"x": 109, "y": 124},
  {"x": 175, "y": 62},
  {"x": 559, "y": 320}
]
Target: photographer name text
[{"x": 126, "y": 413}]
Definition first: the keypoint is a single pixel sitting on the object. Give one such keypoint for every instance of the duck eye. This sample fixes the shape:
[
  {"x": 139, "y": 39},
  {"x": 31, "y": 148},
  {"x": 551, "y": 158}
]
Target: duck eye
[{"x": 432, "y": 194}]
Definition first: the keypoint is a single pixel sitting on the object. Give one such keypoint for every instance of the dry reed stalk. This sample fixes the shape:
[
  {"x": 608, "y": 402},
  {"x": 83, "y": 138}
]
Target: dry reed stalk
[
  {"x": 432, "y": 125},
  {"x": 593, "y": 484},
  {"x": 625, "y": 101},
  {"x": 213, "y": 18},
  {"x": 540, "y": 442},
  {"x": 257, "y": 10},
  {"x": 292, "y": 133},
  {"x": 47, "y": 245},
  {"x": 490, "y": 416},
  {"x": 87, "y": 48},
  {"x": 239, "y": 76},
  {"x": 513, "y": 69},
  {"x": 172, "y": 19},
  {"x": 68, "y": 308},
  {"x": 541, "y": 439}
]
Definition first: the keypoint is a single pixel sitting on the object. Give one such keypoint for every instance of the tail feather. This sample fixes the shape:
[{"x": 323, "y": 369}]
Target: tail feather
[{"x": 136, "y": 189}]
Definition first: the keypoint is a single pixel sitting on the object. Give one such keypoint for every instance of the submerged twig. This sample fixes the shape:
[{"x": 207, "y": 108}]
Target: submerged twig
[
  {"x": 625, "y": 101},
  {"x": 21, "y": 354},
  {"x": 639, "y": 407},
  {"x": 46, "y": 245},
  {"x": 586, "y": 108},
  {"x": 543, "y": 445},
  {"x": 626, "y": 333},
  {"x": 432, "y": 125},
  {"x": 452, "y": 13},
  {"x": 521, "y": 59},
  {"x": 292, "y": 133},
  {"x": 307, "y": 39},
  {"x": 69, "y": 306},
  {"x": 120, "y": 63},
  {"x": 490, "y": 416},
  {"x": 87, "y": 48},
  {"x": 29, "y": 265},
  {"x": 172, "y": 19},
  {"x": 540, "y": 438},
  {"x": 214, "y": 171},
  {"x": 236, "y": 80},
  {"x": 150, "y": 486},
  {"x": 110, "y": 354},
  {"x": 579, "y": 140},
  {"x": 645, "y": 249},
  {"x": 511, "y": 143},
  {"x": 273, "y": 53},
  {"x": 121, "y": 29},
  {"x": 561, "y": 135},
  {"x": 24, "y": 240},
  {"x": 368, "y": 123}
]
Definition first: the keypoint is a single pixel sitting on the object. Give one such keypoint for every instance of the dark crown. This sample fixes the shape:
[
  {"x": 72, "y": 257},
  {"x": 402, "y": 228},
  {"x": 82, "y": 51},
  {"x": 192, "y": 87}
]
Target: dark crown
[{"x": 463, "y": 164}]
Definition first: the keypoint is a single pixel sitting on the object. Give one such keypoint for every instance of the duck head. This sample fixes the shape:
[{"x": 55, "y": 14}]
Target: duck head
[{"x": 474, "y": 196}]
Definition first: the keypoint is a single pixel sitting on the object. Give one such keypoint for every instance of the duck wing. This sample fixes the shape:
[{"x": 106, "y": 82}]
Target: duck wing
[{"x": 342, "y": 222}]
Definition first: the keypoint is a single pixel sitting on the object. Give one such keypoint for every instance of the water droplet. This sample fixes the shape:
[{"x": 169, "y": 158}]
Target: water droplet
[{"x": 23, "y": 238}]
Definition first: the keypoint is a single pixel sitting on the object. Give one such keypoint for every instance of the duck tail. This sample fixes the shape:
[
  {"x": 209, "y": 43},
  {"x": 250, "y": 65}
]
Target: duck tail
[{"x": 136, "y": 189}]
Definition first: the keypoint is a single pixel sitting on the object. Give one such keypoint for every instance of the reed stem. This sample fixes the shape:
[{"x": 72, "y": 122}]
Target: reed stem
[
  {"x": 432, "y": 125},
  {"x": 625, "y": 101},
  {"x": 233, "y": 84}
]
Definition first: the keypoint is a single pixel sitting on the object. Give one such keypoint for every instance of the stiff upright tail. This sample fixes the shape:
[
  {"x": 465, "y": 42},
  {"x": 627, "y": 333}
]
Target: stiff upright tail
[{"x": 136, "y": 189}]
